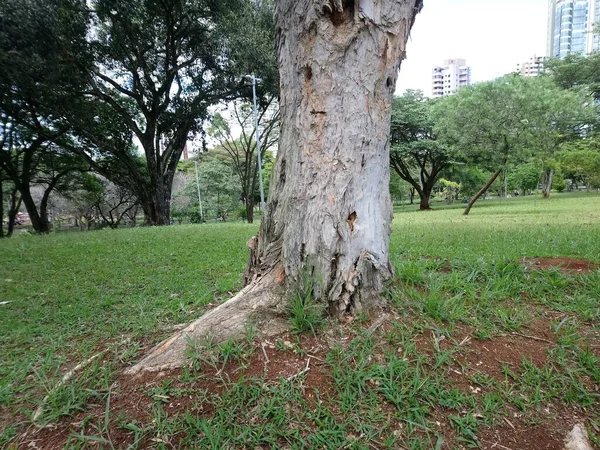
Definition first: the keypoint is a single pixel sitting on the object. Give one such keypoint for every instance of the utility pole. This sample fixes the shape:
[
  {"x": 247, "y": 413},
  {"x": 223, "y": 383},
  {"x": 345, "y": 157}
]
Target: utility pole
[
  {"x": 198, "y": 186},
  {"x": 260, "y": 178}
]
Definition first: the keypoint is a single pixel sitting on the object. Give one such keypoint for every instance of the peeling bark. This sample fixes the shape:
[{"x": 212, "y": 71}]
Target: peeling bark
[
  {"x": 329, "y": 207},
  {"x": 329, "y": 203}
]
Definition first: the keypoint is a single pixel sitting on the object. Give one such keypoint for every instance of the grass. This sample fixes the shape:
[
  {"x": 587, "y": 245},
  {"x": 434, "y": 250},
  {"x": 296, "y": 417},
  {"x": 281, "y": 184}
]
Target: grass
[{"x": 412, "y": 384}]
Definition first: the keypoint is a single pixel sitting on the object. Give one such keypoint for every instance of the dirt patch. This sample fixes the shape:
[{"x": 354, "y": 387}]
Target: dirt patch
[
  {"x": 566, "y": 265},
  {"x": 288, "y": 357},
  {"x": 516, "y": 434}
]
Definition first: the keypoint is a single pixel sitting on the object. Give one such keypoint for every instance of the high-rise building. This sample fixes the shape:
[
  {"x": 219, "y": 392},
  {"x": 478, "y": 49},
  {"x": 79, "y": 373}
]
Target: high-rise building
[
  {"x": 447, "y": 78},
  {"x": 531, "y": 68},
  {"x": 570, "y": 26}
]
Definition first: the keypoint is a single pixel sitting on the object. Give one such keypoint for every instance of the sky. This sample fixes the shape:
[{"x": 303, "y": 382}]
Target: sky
[{"x": 492, "y": 35}]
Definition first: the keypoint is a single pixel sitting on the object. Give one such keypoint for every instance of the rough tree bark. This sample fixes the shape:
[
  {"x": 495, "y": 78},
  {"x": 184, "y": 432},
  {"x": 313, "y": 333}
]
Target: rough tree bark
[
  {"x": 329, "y": 207},
  {"x": 547, "y": 178}
]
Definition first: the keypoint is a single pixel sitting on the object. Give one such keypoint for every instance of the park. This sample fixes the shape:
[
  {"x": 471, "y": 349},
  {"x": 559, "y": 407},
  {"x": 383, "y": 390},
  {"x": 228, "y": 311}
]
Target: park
[
  {"x": 223, "y": 227},
  {"x": 480, "y": 343}
]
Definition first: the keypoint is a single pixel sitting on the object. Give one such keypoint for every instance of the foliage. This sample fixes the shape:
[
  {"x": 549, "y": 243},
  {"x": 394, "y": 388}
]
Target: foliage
[
  {"x": 580, "y": 160},
  {"x": 96, "y": 74},
  {"x": 241, "y": 150},
  {"x": 219, "y": 191},
  {"x": 34, "y": 76},
  {"x": 525, "y": 177},
  {"x": 415, "y": 154},
  {"x": 509, "y": 120},
  {"x": 578, "y": 72}
]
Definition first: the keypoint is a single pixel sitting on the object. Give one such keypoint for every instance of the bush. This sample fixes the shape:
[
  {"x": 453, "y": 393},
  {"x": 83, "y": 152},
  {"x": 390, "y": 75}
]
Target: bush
[
  {"x": 195, "y": 217},
  {"x": 559, "y": 184}
]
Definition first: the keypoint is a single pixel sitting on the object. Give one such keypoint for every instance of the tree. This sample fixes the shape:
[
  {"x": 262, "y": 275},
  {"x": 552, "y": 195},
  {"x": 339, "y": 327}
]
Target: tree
[
  {"x": 34, "y": 82},
  {"x": 525, "y": 177},
  {"x": 577, "y": 72},
  {"x": 484, "y": 122},
  {"x": 159, "y": 65},
  {"x": 242, "y": 149},
  {"x": 510, "y": 120},
  {"x": 581, "y": 162},
  {"x": 329, "y": 211},
  {"x": 416, "y": 156},
  {"x": 553, "y": 115},
  {"x": 31, "y": 159}
]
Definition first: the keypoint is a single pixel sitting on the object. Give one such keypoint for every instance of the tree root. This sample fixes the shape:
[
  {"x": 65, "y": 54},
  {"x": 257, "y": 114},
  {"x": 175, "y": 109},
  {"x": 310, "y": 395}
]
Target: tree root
[
  {"x": 66, "y": 377},
  {"x": 261, "y": 303}
]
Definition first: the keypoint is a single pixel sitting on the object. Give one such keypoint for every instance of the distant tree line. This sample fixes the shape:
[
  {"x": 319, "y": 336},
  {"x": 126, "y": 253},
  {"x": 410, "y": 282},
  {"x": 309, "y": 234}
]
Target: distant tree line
[{"x": 537, "y": 132}]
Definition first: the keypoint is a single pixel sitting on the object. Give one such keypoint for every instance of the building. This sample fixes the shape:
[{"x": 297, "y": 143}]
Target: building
[
  {"x": 570, "y": 26},
  {"x": 531, "y": 68},
  {"x": 447, "y": 78}
]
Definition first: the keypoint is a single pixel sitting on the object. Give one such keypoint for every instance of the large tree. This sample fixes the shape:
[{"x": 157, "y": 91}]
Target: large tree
[
  {"x": 553, "y": 115},
  {"x": 416, "y": 155},
  {"x": 509, "y": 120},
  {"x": 329, "y": 211},
  {"x": 36, "y": 87},
  {"x": 159, "y": 65},
  {"x": 578, "y": 72}
]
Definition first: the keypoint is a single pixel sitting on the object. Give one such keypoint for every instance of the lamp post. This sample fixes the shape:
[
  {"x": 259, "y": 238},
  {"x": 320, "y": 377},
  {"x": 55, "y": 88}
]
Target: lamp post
[
  {"x": 260, "y": 179},
  {"x": 198, "y": 186}
]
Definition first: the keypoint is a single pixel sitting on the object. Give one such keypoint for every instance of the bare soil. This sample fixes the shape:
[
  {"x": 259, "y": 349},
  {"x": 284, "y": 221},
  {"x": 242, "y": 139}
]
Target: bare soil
[
  {"x": 566, "y": 265},
  {"x": 131, "y": 396}
]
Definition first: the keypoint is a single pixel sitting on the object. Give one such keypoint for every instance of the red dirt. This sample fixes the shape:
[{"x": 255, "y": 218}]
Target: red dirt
[
  {"x": 131, "y": 398},
  {"x": 567, "y": 265}
]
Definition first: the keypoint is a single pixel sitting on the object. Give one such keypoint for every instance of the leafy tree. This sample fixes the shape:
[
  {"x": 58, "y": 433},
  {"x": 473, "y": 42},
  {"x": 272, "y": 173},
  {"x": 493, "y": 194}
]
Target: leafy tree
[
  {"x": 241, "y": 149},
  {"x": 415, "y": 154},
  {"x": 158, "y": 66},
  {"x": 525, "y": 177},
  {"x": 35, "y": 75},
  {"x": 484, "y": 122},
  {"x": 577, "y": 72},
  {"x": 581, "y": 162},
  {"x": 553, "y": 115},
  {"x": 33, "y": 160},
  {"x": 510, "y": 120}
]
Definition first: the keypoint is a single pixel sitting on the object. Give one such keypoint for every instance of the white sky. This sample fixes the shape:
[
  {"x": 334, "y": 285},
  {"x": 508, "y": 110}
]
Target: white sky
[{"x": 492, "y": 35}]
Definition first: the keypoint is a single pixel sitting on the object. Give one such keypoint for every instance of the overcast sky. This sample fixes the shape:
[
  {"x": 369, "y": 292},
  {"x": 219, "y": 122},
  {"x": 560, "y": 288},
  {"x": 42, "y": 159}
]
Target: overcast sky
[{"x": 492, "y": 35}]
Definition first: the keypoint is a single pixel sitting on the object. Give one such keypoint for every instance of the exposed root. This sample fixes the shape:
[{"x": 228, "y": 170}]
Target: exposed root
[
  {"x": 261, "y": 302},
  {"x": 66, "y": 377}
]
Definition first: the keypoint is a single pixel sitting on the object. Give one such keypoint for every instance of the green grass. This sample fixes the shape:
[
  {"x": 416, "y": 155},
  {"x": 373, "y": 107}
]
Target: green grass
[{"x": 72, "y": 295}]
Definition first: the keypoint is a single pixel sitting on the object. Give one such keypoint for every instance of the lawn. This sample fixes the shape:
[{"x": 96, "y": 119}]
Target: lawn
[{"x": 483, "y": 344}]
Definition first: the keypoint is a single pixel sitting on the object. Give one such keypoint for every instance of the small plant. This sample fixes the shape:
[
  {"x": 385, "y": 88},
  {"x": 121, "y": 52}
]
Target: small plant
[{"x": 306, "y": 313}]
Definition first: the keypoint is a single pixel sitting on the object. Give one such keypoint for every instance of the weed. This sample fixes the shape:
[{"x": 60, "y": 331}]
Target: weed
[{"x": 306, "y": 312}]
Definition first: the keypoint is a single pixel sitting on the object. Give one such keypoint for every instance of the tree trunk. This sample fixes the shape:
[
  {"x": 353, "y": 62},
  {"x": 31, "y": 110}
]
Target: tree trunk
[
  {"x": 330, "y": 210},
  {"x": 13, "y": 210},
  {"x": 329, "y": 207},
  {"x": 249, "y": 210},
  {"x": 411, "y": 195},
  {"x": 482, "y": 191},
  {"x": 547, "y": 182},
  {"x": 39, "y": 222},
  {"x": 425, "y": 194}
]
